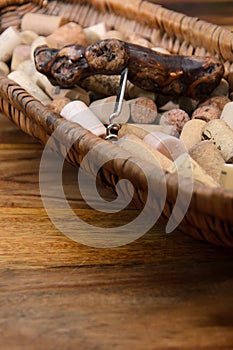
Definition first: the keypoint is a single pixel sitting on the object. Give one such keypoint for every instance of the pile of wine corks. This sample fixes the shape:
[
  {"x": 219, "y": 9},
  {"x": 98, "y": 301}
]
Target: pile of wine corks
[{"x": 177, "y": 134}]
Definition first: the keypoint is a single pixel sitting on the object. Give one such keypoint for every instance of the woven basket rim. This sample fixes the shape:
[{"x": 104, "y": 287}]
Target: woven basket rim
[{"x": 205, "y": 200}]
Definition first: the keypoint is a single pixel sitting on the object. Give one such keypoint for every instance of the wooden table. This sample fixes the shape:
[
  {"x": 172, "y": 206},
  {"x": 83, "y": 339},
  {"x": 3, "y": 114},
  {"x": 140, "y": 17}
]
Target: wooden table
[{"x": 163, "y": 291}]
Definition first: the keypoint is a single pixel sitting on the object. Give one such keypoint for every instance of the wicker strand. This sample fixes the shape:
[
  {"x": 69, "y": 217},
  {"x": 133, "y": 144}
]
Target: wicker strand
[
  {"x": 5, "y": 3},
  {"x": 206, "y": 219}
]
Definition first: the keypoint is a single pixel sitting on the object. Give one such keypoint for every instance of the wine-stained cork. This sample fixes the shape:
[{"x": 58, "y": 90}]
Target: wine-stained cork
[
  {"x": 187, "y": 167},
  {"x": 217, "y": 101},
  {"x": 96, "y": 32},
  {"x": 192, "y": 132},
  {"x": 168, "y": 145},
  {"x": 140, "y": 149},
  {"x": 143, "y": 110},
  {"x": 41, "y": 24},
  {"x": 103, "y": 109},
  {"x": 220, "y": 133},
  {"x": 209, "y": 158},
  {"x": 78, "y": 112},
  {"x": 141, "y": 130},
  {"x": 20, "y": 53},
  {"x": 207, "y": 113},
  {"x": 176, "y": 117},
  {"x": 67, "y": 34},
  {"x": 226, "y": 178},
  {"x": 9, "y": 39},
  {"x": 25, "y": 82}
]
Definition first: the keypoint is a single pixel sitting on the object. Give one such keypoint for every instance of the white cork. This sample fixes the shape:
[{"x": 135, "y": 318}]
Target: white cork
[
  {"x": 29, "y": 68},
  {"x": 227, "y": 114},
  {"x": 140, "y": 149},
  {"x": 168, "y": 145},
  {"x": 25, "y": 82},
  {"x": 28, "y": 36},
  {"x": 226, "y": 178},
  {"x": 96, "y": 32},
  {"x": 41, "y": 24},
  {"x": 20, "y": 53},
  {"x": 4, "y": 67},
  {"x": 78, "y": 112},
  {"x": 9, "y": 39}
]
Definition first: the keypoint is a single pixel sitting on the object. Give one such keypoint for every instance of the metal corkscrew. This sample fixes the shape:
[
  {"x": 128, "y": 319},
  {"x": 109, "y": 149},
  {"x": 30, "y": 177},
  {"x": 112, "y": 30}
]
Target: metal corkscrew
[{"x": 113, "y": 128}]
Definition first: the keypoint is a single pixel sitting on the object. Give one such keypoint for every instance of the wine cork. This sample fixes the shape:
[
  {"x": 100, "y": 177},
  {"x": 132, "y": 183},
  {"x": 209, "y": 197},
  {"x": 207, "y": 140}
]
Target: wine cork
[
  {"x": 168, "y": 145},
  {"x": 141, "y": 130},
  {"x": 20, "y": 53},
  {"x": 137, "y": 39},
  {"x": 176, "y": 117},
  {"x": 226, "y": 178},
  {"x": 29, "y": 68},
  {"x": 207, "y": 113},
  {"x": 166, "y": 105},
  {"x": 58, "y": 104},
  {"x": 95, "y": 33},
  {"x": 40, "y": 40},
  {"x": 9, "y": 39},
  {"x": 187, "y": 167},
  {"x": 140, "y": 149},
  {"x": 78, "y": 112},
  {"x": 143, "y": 110},
  {"x": 222, "y": 89},
  {"x": 76, "y": 93},
  {"x": 135, "y": 92},
  {"x": 113, "y": 34},
  {"x": 227, "y": 114},
  {"x": 219, "y": 132},
  {"x": 4, "y": 67},
  {"x": 217, "y": 101},
  {"x": 191, "y": 133},
  {"x": 41, "y": 24},
  {"x": 104, "y": 85},
  {"x": 209, "y": 158},
  {"x": 25, "y": 82},
  {"x": 103, "y": 109},
  {"x": 28, "y": 36},
  {"x": 67, "y": 34}
]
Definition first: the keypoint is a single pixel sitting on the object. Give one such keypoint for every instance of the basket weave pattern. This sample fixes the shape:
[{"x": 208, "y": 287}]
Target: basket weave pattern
[{"x": 210, "y": 214}]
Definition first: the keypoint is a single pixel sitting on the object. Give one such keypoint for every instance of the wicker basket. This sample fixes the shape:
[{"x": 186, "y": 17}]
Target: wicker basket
[{"x": 210, "y": 213}]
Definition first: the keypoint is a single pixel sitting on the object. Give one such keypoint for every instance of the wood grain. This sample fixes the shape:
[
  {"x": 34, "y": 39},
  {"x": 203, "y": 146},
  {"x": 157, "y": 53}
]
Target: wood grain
[{"x": 161, "y": 292}]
